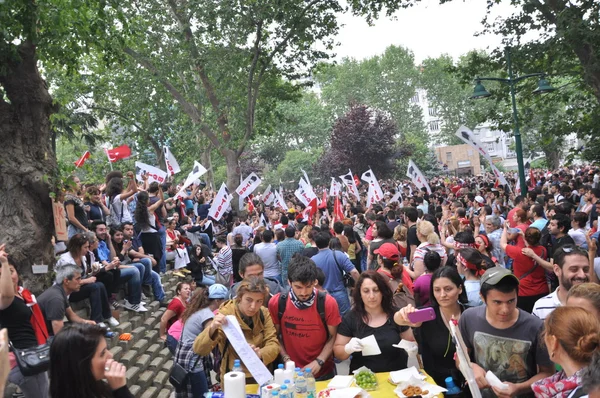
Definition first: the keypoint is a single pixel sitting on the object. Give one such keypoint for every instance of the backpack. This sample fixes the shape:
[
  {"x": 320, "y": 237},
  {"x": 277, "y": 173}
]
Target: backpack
[{"x": 320, "y": 307}]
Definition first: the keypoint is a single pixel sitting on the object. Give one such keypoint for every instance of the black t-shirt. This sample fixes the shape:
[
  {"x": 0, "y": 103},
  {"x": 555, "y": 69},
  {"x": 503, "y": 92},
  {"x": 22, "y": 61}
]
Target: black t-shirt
[
  {"x": 54, "y": 304},
  {"x": 310, "y": 251},
  {"x": 565, "y": 240},
  {"x": 17, "y": 320},
  {"x": 437, "y": 349},
  {"x": 80, "y": 213},
  {"x": 390, "y": 359},
  {"x": 411, "y": 239}
]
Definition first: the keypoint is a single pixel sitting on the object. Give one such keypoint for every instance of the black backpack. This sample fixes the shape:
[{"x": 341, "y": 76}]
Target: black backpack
[{"x": 320, "y": 307}]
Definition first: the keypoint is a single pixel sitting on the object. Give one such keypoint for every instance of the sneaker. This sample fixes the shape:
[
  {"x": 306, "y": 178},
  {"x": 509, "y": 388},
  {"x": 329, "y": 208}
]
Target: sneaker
[
  {"x": 115, "y": 305},
  {"x": 112, "y": 321},
  {"x": 179, "y": 274},
  {"x": 134, "y": 307},
  {"x": 185, "y": 270},
  {"x": 109, "y": 334}
]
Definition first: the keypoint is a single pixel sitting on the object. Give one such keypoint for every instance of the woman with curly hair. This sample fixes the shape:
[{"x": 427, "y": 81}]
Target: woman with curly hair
[{"x": 146, "y": 224}]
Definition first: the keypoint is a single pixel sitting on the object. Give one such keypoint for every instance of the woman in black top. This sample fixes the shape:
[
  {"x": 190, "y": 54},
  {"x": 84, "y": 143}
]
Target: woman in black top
[
  {"x": 372, "y": 314},
  {"x": 23, "y": 319},
  {"x": 434, "y": 338},
  {"x": 80, "y": 360}
]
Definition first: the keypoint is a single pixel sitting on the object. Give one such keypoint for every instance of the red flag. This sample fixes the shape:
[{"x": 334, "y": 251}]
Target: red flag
[
  {"x": 323, "y": 204},
  {"x": 356, "y": 180},
  {"x": 311, "y": 209},
  {"x": 250, "y": 204},
  {"x": 497, "y": 184},
  {"x": 338, "y": 212},
  {"x": 120, "y": 152},
  {"x": 82, "y": 159},
  {"x": 532, "y": 181}
]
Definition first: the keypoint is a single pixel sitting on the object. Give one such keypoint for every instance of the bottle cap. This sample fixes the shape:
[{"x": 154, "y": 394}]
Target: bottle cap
[
  {"x": 286, "y": 381},
  {"x": 283, "y": 387},
  {"x": 280, "y": 366}
]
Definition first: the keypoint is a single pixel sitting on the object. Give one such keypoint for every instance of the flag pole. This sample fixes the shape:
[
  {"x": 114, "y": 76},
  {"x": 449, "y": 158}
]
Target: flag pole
[{"x": 108, "y": 157}]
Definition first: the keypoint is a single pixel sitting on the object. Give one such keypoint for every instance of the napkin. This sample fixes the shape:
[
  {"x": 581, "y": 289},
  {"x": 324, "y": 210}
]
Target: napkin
[
  {"x": 370, "y": 346},
  {"x": 405, "y": 374},
  {"x": 340, "y": 381}
]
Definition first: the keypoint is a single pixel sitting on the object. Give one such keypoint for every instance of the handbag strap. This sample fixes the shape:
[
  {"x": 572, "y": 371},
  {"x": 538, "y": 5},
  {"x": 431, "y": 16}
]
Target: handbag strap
[
  {"x": 535, "y": 265},
  {"x": 338, "y": 264}
]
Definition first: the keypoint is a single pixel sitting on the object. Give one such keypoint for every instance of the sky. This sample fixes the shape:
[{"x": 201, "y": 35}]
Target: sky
[{"x": 428, "y": 29}]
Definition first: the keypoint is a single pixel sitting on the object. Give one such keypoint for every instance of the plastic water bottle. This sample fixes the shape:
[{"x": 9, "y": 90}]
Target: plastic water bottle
[
  {"x": 237, "y": 367},
  {"x": 283, "y": 392},
  {"x": 451, "y": 387},
  {"x": 300, "y": 386},
  {"x": 290, "y": 386},
  {"x": 278, "y": 374},
  {"x": 275, "y": 394},
  {"x": 311, "y": 387},
  {"x": 296, "y": 371}
]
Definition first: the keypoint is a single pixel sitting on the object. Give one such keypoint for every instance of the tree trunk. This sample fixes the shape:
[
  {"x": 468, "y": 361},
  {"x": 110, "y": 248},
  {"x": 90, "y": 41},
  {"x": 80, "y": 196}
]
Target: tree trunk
[
  {"x": 552, "y": 159},
  {"x": 233, "y": 176},
  {"x": 207, "y": 162},
  {"x": 27, "y": 162}
]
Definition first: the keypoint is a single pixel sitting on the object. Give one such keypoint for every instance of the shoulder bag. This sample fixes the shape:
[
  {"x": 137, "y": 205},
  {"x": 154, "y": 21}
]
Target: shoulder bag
[{"x": 346, "y": 277}]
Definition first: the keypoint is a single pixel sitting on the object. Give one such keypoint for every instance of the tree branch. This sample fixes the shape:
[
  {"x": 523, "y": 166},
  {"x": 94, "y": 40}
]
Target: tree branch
[
  {"x": 199, "y": 67},
  {"x": 187, "y": 107}
]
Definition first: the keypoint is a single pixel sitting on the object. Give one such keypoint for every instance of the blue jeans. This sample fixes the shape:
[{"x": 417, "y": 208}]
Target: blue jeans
[
  {"x": 341, "y": 296},
  {"x": 134, "y": 283},
  {"x": 162, "y": 264},
  {"x": 199, "y": 384},
  {"x": 72, "y": 230},
  {"x": 171, "y": 343},
  {"x": 363, "y": 260},
  {"x": 35, "y": 386}
]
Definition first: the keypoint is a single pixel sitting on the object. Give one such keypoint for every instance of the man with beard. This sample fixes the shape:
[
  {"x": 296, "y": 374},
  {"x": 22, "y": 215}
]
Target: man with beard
[
  {"x": 572, "y": 267},
  {"x": 306, "y": 320}
]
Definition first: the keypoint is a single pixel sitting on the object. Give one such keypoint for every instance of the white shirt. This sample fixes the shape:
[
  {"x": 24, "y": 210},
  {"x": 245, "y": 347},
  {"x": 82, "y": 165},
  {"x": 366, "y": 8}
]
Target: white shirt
[
  {"x": 268, "y": 253},
  {"x": 578, "y": 236},
  {"x": 245, "y": 230},
  {"x": 544, "y": 306}
]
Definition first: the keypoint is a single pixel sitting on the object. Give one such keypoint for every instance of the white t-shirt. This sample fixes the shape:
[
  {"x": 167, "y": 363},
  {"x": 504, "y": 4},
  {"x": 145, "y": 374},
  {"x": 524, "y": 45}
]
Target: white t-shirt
[{"x": 119, "y": 212}]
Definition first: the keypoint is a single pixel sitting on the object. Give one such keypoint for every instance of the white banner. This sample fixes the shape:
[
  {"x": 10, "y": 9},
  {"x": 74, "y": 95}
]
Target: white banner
[
  {"x": 396, "y": 198},
  {"x": 172, "y": 165},
  {"x": 465, "y": 134},
  {"x": 220, "y": 204},
  {"x": 348, "y": 180},
  {"x": 306, "y": 178},
  {"x": 246, "y": 187},
  {"x": 154, "y": 173},
  {"x": 305, "y": 194},
  {"x": 416, "y": 176},
  {"x": 268, "y": 197},
  {"x": 195, "y": 174},
  {"x": 375, "y": 194},
  {"x": 279, "y": 201},
  {"x": 334, "y": 190}
]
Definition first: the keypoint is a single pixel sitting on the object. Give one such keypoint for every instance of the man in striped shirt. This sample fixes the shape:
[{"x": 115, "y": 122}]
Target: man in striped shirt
[{"x": 572, "y": 267}]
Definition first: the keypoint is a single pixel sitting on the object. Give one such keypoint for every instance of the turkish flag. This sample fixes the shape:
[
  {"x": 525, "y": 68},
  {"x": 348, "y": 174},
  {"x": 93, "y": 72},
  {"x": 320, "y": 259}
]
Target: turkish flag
[
  {"x": 82, "y": 159},
  {"x": 532, "y": 181},
  {"x": 120, "y": 152},
  {"x": 497, "y": 184},
  {"x": 356, "y": 180},
  {"x": 323, "y": 204},
  {"x": 250, "y": 204},
  {"x": 338, "y": 212}
]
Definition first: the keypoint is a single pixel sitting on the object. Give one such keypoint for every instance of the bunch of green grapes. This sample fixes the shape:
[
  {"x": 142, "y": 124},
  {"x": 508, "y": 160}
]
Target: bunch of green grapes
[{"x": 366, "y": 380}]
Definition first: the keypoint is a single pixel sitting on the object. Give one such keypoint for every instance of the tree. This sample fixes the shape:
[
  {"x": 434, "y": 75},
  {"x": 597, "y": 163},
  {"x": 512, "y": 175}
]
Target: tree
[
  {"x": 386, "y": 82},
  {"x": 288, "y": 170},
  {"x": 363, "y": 138}
]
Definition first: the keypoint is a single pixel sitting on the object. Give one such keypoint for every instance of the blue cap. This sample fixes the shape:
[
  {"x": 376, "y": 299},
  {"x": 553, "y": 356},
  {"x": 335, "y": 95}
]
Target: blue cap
[{"x": 217, "y": 291}]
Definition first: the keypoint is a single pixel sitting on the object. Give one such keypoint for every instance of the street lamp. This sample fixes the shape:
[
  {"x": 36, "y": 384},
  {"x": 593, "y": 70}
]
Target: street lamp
[{"x": 543, "y": 87}]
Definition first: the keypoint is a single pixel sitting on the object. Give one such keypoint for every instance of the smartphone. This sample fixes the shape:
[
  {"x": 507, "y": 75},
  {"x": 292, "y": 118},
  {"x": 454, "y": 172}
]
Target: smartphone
[
  {"x": 422, "y": 315},
  {"x": 514, "y": 230}
]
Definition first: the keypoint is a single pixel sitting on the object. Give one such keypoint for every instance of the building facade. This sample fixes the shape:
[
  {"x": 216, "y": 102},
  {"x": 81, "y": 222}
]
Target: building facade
[{"x": 459, "y": 159}]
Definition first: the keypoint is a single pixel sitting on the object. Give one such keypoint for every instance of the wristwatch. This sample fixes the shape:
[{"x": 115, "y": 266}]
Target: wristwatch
[{"x": 320, "y": 362}]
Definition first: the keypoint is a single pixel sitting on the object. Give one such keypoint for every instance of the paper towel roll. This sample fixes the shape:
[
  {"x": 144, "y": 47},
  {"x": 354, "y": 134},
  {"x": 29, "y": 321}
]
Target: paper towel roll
[{"x": 235, "y": 385}]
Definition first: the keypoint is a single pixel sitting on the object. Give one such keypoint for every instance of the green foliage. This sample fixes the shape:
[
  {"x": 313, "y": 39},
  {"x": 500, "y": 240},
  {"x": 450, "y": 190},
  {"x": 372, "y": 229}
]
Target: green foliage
[
  {"x": 289, "y": 169},
  {"x": 386, "y": 83}
]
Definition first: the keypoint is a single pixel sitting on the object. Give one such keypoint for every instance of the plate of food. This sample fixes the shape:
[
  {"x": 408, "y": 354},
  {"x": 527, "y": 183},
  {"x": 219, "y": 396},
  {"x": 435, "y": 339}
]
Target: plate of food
[{"x": 417, "y": 387}]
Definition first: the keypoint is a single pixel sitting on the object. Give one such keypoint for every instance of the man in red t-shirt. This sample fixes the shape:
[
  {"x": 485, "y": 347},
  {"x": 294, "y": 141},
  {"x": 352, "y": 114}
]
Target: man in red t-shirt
[{"x": 302, "y": 334}]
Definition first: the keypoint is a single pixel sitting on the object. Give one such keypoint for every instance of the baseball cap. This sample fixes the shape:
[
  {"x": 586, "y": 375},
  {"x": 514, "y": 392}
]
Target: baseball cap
[
  {"x": 388, "y": 251},
  {"x": 217, "y": 291},
  {"x": 494, "y": 275},
  {"x": 291, "y": 211},
  {"x": 479, "y": 199}
]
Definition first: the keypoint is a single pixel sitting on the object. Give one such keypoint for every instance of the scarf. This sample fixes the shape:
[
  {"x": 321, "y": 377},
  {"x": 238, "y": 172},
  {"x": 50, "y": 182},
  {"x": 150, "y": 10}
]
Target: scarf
[
  {"x": 469, "y": 265},
  {"x": 302, "y": 305},
  {"x": 557, "y": 386},
  {"x": 37, "y": 318},
  {"x": 75, "y": 199}
]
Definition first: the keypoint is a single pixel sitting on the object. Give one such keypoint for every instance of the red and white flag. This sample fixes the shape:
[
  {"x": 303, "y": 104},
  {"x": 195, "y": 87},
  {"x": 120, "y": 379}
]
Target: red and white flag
[
  {"x": 120, "y": 152},
  {"x": 268, "y": 196},
  {"x": 416, "y": 176},
  {"x": 375, "y": 194},
  {"x": 170, "y": 162},
  {"x": 247, "y": 186},
  {"x": 350, "y": 183},
  {"x": 323, "y": 204},
  {"x": 220, "y": 204},
  {"x": 86, "y": 155},
  {"x": 335, "y": 188},
  {"x": 338, "y": 211},
  {"x": 310, "y": 211}
]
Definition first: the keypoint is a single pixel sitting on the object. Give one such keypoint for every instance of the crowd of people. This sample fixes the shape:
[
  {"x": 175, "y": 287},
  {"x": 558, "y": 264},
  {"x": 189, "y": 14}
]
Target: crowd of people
[{"x": 517, "y": 273}]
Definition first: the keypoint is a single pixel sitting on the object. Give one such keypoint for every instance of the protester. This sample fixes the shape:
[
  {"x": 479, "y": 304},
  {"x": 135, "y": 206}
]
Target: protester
[
  {"x": 484, "y": 246},
  {"x": 117, "y": 198},
  {"x": 436, "y": 347},
  {"x": 382, "y": 234},
  {"x": 267, "y": 251},
  {"x": 422, "y": 285},
  {"x": 79, "y": 362},
  {"x": 22, "y": 319},
  {"x": 527, "y": 268},
  {"x": 586, "y": 296},
  {"x": 252, "y": 265},
  {"x": 504, "y": 339},
  {"x": 76, "y": 214},
  {"x": 255, "y": 322},
  {"x": 173, "y": 312},
  {"x": 572, "y": 337},
  {"x": 193, "y": 321},
  {"x": 430, "y": 242},
  {"x": 97, "y": 208},
  {"x": 237, "y": 252},
  {"x": 224, "y": 262},
  {"x": 306, "y": 320},
  {"x": 286, "y": 250},
  {"x": 372, "y": 314},
  {"x": 399, "y": 281},
  {"x": 493, "y": 230},
  {"x": 334, "y": 265},
  {"x": 572, "y": 268},
  {"x": 591, "y": 378},
  {"x": 471, "y": 265},
  {"x": 147, "y": 224},
  {"x": 200, "y": 265}
]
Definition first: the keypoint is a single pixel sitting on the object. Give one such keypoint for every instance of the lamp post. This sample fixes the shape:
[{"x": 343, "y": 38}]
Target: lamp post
[{"x": 543, "y": 87}]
